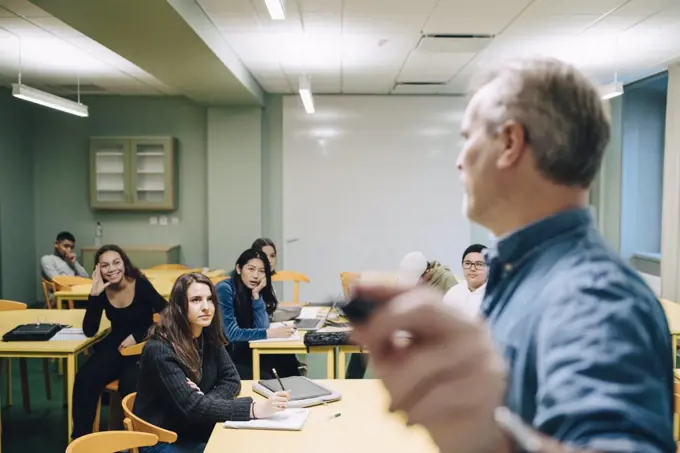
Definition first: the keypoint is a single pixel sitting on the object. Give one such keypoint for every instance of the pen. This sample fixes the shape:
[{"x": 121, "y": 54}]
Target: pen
[
  {"x": 278, "y": 379},
  {"x": 336, "y": 415}
]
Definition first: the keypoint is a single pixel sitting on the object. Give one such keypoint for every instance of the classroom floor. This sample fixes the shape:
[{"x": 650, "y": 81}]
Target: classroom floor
[{"x": 44, "y": 429}]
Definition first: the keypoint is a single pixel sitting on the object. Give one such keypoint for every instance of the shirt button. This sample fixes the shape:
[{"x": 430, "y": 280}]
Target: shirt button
[{"x": 508, "y": 267}]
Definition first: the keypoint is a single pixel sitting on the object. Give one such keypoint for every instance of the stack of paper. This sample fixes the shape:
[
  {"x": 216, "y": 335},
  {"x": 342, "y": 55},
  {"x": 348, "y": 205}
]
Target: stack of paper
[
  {"x": 69, "y": 334},
  {"x": 288, "y": 420}
]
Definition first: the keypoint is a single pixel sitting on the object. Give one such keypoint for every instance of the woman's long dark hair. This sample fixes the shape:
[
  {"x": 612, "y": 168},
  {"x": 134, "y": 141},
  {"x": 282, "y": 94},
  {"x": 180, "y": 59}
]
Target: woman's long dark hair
[
  {"x": 131, "y": 272},
  {"x": 174, "y": 327},
  {"x": 261, "y": 243},
  {"x": 243, "y": 300}
]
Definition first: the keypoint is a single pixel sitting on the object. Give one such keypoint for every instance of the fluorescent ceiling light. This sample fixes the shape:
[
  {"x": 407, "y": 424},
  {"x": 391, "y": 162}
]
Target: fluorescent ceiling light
[
  {"x": 48, "y": 100},
  {"x": 612, "y": 90},
  {"x": 306, "y": 94},
  {"x": 276, "y": 9}
]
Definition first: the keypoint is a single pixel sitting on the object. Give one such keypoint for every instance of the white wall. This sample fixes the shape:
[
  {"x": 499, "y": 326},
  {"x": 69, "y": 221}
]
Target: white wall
[{"x": 367, "y": 179}]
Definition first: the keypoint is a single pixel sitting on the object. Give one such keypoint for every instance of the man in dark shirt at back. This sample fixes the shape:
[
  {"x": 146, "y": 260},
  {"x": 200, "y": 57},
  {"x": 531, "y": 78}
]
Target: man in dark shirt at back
[{"x": 574, "y": 344}]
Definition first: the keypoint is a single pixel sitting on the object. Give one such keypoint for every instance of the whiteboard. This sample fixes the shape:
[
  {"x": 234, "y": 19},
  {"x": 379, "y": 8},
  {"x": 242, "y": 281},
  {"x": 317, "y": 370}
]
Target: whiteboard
[{"x": 367, "y": 179}]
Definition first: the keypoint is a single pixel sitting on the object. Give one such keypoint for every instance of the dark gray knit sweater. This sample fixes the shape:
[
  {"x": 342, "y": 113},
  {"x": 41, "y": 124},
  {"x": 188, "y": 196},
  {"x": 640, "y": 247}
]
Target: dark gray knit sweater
[{"x": 165, "y": 399}]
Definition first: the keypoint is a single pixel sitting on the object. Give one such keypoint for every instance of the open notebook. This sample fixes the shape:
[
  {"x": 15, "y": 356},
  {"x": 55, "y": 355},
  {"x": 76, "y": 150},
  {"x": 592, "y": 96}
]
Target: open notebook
[{"x": 288, "y": 420}]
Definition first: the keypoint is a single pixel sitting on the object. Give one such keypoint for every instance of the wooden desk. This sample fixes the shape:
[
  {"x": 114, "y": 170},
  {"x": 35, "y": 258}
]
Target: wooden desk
[
  {"x": 50, "y": 349},
  {"x": 162, "y": 280},
  {"x": 291, "y": 347},
  {"x": 365, "y": 426},
  {"x": 672, "y": 310}
]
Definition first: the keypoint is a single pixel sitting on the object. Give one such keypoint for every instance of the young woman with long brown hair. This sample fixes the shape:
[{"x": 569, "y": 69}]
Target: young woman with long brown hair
[
  {"x": 129, "y": 300},
  {"x": 187, "y": 382}
]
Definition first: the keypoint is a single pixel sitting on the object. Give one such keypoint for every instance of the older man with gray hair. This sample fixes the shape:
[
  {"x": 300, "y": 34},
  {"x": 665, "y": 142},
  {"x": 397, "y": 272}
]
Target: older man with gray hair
[{"x": 574, "y": 353}]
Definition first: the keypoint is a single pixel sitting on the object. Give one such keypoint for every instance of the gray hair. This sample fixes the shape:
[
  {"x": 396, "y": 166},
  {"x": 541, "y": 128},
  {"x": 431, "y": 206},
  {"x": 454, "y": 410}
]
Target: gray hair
[{"x": 564, "y": 120}]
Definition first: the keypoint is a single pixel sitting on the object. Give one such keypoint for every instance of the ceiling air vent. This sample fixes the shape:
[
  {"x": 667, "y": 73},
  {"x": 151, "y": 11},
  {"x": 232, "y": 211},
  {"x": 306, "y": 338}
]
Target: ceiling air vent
[
  {"x": 453, "y": 43},
  {"x": 418, "y": 87}
]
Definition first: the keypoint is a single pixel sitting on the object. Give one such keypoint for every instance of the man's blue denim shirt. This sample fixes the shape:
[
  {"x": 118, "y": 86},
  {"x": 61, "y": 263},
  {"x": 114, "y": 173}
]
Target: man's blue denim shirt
[{"x": 586, "y": 341}]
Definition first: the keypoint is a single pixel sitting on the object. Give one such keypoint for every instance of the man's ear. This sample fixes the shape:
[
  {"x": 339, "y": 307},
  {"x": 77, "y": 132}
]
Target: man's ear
[
  {"x": 513, "y": 138},
  {"x": 238, "y": 269}
]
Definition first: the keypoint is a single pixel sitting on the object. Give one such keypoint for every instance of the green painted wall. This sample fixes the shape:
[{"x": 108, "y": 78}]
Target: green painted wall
[
  {"x": 234, "y": 182},
  {"x": 18, "y": 270},
  {"x": 61, "y": 173}
]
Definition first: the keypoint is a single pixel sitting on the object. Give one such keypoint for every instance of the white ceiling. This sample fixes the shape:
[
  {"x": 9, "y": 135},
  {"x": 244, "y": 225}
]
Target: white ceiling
[
  {"x": 54, "y": 56},
  {"x": 368, "y": 46}
]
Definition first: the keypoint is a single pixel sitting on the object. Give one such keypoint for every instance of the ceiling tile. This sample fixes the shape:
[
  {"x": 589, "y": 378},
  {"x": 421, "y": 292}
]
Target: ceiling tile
[
  {"x": 388, "y": 7},
  {"x": 595, "y": 7},
  {"x": 432, "y": 67},
  {"x": 321, "y": 6},
  {"x": 383, "y": 23},
  {"x": 478, "y": 17}
]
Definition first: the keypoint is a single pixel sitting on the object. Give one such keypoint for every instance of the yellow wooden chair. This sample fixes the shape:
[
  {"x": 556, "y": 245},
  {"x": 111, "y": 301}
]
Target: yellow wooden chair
[
  {"x": 291, "y": 276},
  {"x": 134, "y": 423},
  {"x": 48, "y": 288},
  {"x": 348, "y": 279},
  {"x": 111, "y": 442},
  {"x": 169, "y": 267},
  {"x": 112, "y": 387},
  {"x": 9, "y": 305}
]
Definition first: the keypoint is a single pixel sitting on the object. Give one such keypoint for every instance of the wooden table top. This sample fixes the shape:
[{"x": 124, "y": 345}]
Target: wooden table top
[
  {"x": 162, "y": 280},
  {"x": 11, "y": 319},
  {"x": 363, "y": 426}
]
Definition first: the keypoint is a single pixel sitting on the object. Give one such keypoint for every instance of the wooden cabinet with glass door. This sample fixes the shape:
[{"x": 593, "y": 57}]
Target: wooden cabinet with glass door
[{"x": 132, "y": 173}]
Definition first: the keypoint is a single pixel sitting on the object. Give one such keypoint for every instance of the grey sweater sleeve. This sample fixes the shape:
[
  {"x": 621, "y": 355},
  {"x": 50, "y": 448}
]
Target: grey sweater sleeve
[
  {"x": 164, "y": 367},
  {"x": 80, "y": 270}
]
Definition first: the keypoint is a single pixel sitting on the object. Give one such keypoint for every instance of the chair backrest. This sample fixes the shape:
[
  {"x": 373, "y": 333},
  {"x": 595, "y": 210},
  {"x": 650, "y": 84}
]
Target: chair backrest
[
  {"x": 219, "y": 278},
  {"x": 48, "y": 288},
  {"x": 66, "y": 281},
  {"x": 111, "y": 442},
  {"x": 9, "y": 305},
  {"x": 347, "y": 279},
  {"x": 135, "y": 349},
  {"x": 169, "y": 267},
  {"x": 291, "y": 276},
  {"x": 134, "y": 423}
]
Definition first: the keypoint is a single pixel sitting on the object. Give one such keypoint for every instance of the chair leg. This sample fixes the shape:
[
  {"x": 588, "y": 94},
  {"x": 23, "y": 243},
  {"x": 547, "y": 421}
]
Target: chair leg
[
  {"x": 46, "y": 373},
  {"x": 23, "y": 371},
  {"x": 97, "y": 416}
]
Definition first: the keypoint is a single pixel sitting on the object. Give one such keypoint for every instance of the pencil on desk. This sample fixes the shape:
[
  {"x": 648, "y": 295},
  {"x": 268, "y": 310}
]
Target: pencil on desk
[{"x": 278, "y": 379}]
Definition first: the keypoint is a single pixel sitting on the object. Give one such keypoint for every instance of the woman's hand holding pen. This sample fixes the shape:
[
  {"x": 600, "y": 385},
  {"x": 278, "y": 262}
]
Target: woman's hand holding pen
[{"x": 275, "y": 403}]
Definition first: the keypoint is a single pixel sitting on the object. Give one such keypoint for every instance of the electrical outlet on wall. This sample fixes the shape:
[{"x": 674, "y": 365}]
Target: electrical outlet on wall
[
  {"x": 153, "y": 220},
  {"x": 174, "y": 221},
  {"x": 163, "y": 221}
]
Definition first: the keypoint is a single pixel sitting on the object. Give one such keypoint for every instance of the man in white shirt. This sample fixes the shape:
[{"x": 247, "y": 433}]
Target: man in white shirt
[
  {"x": 63, "y": 261},
  {"x": 467, "y": 295}
]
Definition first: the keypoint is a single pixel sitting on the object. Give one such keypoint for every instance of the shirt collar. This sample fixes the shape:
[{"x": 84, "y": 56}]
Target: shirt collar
[{"x": 515, "y": 246}]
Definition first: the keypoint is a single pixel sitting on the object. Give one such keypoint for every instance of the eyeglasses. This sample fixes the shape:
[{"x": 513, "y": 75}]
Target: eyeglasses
[{"x": 479, "y": 265}]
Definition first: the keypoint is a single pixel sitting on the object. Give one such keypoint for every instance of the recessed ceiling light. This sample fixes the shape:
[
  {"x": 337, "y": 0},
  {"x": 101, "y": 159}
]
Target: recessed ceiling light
[
  {"x": 306, "y": 94},
  {"x": 276, "y": 8}
]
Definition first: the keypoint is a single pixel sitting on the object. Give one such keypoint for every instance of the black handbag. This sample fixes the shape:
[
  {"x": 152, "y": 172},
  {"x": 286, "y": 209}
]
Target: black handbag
[{"x": 326, "y": 339}]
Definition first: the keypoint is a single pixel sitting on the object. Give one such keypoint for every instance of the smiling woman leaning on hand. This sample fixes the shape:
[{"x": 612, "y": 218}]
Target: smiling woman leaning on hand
[{"x": 130, "y": 301}]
